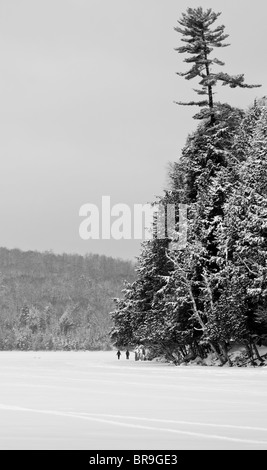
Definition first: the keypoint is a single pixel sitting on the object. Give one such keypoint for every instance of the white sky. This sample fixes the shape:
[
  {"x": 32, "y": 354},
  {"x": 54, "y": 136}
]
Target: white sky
[{"x": 87, "y": 91}]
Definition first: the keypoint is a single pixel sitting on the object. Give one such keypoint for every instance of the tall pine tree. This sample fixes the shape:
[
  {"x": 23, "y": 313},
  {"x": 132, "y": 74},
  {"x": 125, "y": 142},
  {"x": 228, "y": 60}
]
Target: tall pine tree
[{"x": 200, "y": 40}]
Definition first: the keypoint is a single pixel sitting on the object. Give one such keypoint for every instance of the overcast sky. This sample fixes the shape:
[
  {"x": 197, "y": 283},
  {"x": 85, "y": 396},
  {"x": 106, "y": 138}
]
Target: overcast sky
[{"x": 86, "y": 108}]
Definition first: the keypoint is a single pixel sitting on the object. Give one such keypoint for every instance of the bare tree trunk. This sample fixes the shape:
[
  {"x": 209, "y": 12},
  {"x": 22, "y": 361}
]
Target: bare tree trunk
[
  {"x": 249, "y": 349},
  {"x": 218, "y": 355},
  {"x": 225, "y": 354},
  {"x": 212, "y": 308},
  {"x": 210, "y": 93}
]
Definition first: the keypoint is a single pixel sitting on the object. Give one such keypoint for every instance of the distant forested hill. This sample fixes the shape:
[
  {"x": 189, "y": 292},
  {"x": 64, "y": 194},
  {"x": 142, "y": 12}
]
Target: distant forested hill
[{"x": 50, "y": 301}]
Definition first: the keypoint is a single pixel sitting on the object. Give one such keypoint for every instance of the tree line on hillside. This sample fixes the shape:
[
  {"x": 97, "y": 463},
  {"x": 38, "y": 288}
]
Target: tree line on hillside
[
  {"x": 57, "y": 302},
  {"x": 211, "y": 294}
]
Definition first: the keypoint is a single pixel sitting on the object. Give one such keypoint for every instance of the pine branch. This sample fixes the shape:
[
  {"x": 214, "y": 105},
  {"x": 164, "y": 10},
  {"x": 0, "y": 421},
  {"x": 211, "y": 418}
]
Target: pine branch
[
  {"x": 234, "y": 80},
  {"x": 192, "y": 103}
]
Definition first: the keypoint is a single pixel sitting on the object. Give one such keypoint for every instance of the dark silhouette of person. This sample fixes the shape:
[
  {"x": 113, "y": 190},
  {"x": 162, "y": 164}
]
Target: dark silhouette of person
[
  {"x": 127, "y": 354},
  {"x": 118, "y": 354}
]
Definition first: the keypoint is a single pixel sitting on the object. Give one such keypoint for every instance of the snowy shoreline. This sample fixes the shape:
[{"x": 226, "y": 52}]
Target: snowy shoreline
[{"x": 237, "y": 355}]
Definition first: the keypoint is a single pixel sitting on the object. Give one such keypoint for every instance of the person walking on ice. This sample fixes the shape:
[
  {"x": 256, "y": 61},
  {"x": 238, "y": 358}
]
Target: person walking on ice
[
  {"x": 118, "y": 354},
  {"x": 127, "y": 354}
]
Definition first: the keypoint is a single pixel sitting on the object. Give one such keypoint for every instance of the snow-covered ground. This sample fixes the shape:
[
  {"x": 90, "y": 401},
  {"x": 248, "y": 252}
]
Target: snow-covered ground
[{"x": 90, "y": 400}]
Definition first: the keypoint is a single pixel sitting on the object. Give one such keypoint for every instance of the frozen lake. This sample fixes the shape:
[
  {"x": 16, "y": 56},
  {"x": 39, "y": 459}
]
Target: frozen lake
[{"x": 90, "y": 400}]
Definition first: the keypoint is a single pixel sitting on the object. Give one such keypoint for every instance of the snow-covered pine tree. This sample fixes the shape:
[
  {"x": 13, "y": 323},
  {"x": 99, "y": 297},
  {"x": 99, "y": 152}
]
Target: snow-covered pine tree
[
  {"x": 206, "y": 151},
  {"x": 204, "y": 178},
  {"x": 122, "y": 333},
  {"x": 242, "y": 238},
  {"x": 200, "y": 40},
  {"x": 135, "y": 315},
  {"x": 243, "y": 139}
]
